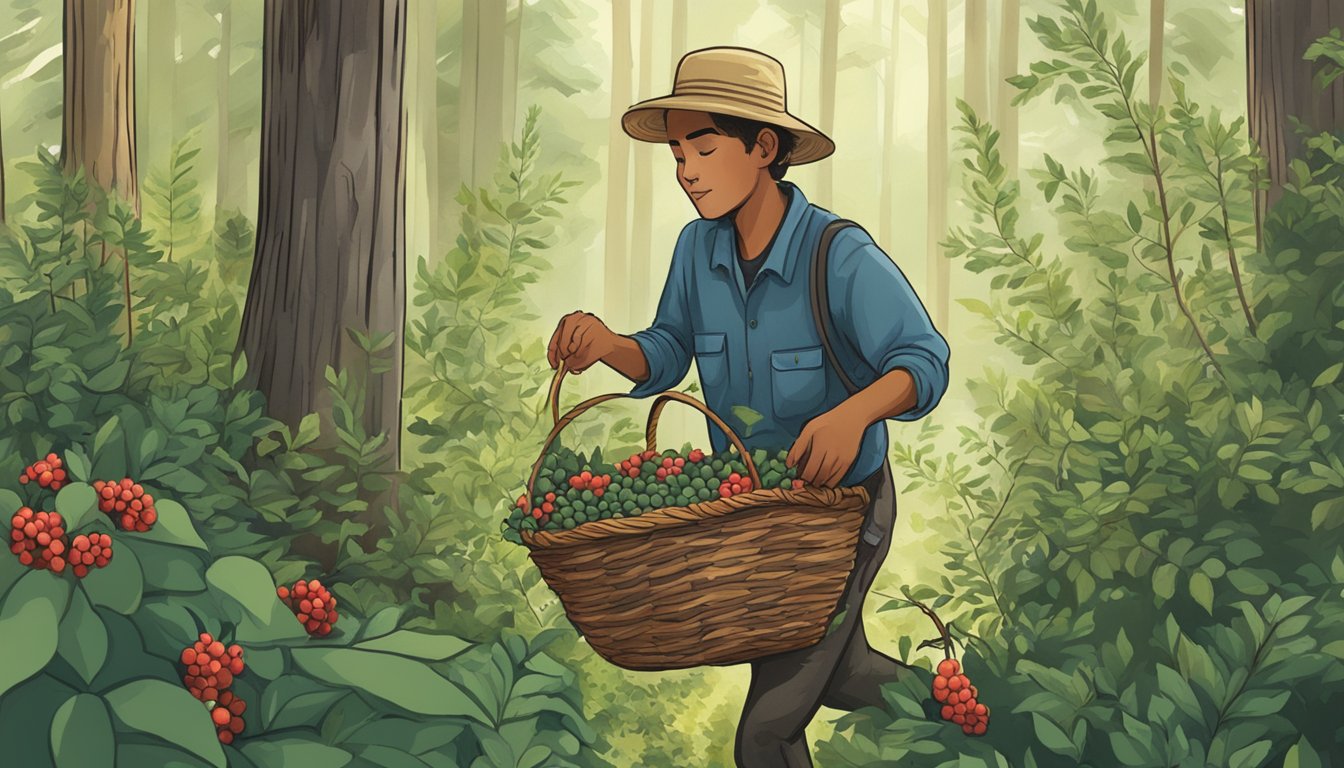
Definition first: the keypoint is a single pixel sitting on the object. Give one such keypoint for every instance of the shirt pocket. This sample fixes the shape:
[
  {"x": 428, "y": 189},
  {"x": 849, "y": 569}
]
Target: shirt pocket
[
  {"x": 711, "y": 358},
  {"x": 798, "y": 381}
]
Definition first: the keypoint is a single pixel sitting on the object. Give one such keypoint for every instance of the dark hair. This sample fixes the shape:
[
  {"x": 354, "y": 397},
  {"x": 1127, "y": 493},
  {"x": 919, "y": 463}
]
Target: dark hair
[{"x": 746, "y": 130}]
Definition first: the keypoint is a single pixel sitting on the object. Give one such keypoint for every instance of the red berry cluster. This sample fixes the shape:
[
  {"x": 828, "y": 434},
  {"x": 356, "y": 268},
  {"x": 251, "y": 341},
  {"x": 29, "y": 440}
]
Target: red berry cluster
[
  {"x": 632, "y": 466},
  {"x": 312, "y": 603},
  {"x": 48, "y": 473},
  {"x": 127, "y": 503},
  {"x": 586, "y": 481},
  {"x": 38, "y": 539},
  {"x": 697, "y": 456},
  {"x": 958, "y": 697},
  {"x": 90, "y": 551},
  {"x": 227, "y": 716},
  {"x": 210, "y": 671},
  {"x": 735, "y": 484}
]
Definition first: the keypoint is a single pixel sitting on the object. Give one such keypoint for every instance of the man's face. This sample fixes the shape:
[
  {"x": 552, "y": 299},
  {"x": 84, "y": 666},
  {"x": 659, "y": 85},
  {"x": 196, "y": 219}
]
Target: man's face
[{"x": 714, "y": 169}]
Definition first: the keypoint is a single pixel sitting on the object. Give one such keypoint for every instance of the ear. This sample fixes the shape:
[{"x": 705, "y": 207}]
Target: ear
[{"x": 767, "y": 146}]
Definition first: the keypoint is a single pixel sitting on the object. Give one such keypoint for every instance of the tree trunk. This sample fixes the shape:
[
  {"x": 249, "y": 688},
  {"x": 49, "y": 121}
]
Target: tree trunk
[
  {"x": 641, "y": 230},
  {"x": 98, "y": 127},
  {"x": 830, "y": 55},
  {"x": 1279, "y": 84},
  {"x": 161, "y": 82},
  {"x": 615, "y": 286},
  {"x": 331, "y": 221},
  {"x": 222, "y": 109},
  {"x": 512, "y": 44},
  {"x": 482, "y": 88},
  {"x": 977, "y": 58},
  {"x": 939, "y": 275},
  {"x": 890, "y": 97},
  {"x": 1006, "y": 117},
  {"x": 427, "y": 122},
  {"x": 2, "y": 168}
]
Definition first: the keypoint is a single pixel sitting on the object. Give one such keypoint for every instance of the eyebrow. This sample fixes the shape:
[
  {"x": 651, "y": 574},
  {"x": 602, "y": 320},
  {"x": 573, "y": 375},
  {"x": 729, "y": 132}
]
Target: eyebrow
[{"x": 692, "y": 135}]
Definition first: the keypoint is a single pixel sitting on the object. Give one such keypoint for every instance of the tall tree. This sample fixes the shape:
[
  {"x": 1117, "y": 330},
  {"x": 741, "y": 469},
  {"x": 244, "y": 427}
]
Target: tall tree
[
  {"x": 977, "y": 58},
  {"x": 830, "y": 58},
  {"x": 2, "y": 168},
  {"x": 331, "y": 223},
  {"x": 222, "y": 62},
  {"x": 481, "y": 88},
  {"x": 939, "y": 273},
  {"x": 890, "y": 94},
  {"x": 615, "y": 288},
  {"x": 98, "y": 128},
  {"x": 513, "y": 42},
  {"x": 1280, "y": 84},
  {"x": 641, "y": 226},
  {"x": 1157, "y": 26},
  {"x": 427, "y": 117},
  {"x": 158, "y": 133},
  {"x": 1005, "y": 116}
]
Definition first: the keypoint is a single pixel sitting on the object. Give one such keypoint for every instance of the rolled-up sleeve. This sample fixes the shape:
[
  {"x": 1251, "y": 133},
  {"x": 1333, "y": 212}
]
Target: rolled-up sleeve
[
  {"x": 667, "y": 343},
  {"x": 883, "y": 318}
]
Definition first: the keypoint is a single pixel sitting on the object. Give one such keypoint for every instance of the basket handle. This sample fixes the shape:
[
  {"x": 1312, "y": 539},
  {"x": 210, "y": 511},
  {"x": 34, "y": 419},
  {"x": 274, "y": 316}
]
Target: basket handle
[
  {"x": 554, "y": 397},
  {"x": 651, "y": 431}
]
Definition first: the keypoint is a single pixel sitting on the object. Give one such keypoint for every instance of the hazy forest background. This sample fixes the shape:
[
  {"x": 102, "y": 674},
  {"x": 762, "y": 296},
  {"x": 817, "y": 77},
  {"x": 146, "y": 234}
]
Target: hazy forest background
[{"x": 1129, "y": 506}]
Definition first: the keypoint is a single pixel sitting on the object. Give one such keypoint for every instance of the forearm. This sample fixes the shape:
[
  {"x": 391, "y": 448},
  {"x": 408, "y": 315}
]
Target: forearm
[
  {"x": 624, "y": 356},
  {"x": 889, "y": 396}
]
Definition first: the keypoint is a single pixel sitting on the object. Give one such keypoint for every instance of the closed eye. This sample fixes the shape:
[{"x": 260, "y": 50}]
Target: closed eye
[{"x": 710, "y": 152}]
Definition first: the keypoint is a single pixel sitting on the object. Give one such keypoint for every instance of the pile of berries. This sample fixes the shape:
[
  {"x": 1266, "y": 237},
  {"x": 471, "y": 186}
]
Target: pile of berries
[
  {"x": 735, "y": 484},
  {"x": 210, "y": 671},
  {"x": 958, "y": 697},
  {"x": 587, "y": 481},
  {"x": 48, "y": 473},
  {"x": 127, "y": 503},
  {"x": 632, "y": 466},
  {"x": 38, "y": 539},
  {"x": 312, "y": 603},
  {"x": 90, "y": 551}
]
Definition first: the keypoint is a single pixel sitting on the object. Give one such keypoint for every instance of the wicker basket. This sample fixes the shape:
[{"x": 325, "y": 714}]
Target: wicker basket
[{"x": 716, "y": 583}]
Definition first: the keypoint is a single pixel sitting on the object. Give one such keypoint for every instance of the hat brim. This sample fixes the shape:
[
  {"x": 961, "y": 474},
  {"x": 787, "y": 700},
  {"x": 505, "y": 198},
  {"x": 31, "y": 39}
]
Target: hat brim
[{"x": 644, "y": 121}]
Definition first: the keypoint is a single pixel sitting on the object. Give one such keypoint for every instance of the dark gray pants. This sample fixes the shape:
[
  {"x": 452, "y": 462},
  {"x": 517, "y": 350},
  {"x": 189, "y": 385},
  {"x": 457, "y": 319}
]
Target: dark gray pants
[{"x": 841, "y": 671}]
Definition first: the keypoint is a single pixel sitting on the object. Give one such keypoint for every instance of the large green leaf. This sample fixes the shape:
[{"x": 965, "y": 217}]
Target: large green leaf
[
  {"x": 407, "y": 683},
  {"x": 419, "y": 645},
  {"x": 119, "y": 585},
  {"x": 174, "y": 526},
  {"x": 78, "y": 505},
  {"x": 83, "y": 638},
  {"x": 81, "y": 734},
  {"x": 288, "y": 752},
  {"x": 168, "y": 568},
  {"x": 245, "y": 591},
  {"x": 168, "y": 711},
  {"x": 30, "y": 619}
]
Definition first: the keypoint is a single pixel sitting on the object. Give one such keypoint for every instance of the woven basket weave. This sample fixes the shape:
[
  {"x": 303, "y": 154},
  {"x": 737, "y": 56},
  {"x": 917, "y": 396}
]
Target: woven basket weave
[{"x": 716, "y": 583}]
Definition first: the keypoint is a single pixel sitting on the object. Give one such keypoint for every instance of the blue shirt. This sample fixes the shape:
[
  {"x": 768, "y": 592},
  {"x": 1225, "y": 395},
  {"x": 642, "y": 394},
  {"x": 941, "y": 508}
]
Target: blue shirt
[{"x": 736, "y": 333}]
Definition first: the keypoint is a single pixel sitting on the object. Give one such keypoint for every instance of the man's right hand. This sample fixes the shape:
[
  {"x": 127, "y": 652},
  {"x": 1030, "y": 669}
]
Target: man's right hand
[{"x": 580, "y": 339}]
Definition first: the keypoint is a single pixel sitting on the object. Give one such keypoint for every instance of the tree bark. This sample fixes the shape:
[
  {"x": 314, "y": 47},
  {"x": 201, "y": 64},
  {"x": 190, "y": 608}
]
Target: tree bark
[
  {"x": 830, "y": 56},
  {"x": 1157, "y": 17},
  {"x": 98, "y": 126},
  {"x": 1006, "y": 117},
  {"x": 890, "y": 97},
  {"x": 331, "y": 219},
  {"x": 1279, "y": 84},
  {"x": 222, "y": 73},
  {"x": 939, "y": 274},
  {"x": 427, "y": 118},
  {"x": 977, "y": 58},
  {"x": 615, "y": 287},
  {"x": 641, "y": 230},
  {"x": 482, "y": 88}
]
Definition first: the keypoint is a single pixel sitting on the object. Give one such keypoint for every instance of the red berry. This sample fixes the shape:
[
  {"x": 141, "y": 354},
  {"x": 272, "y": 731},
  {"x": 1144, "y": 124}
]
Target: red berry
[
  {"x": 225, "y": 737},
  {"x": 955, "y": 683},
  {"x": 948, "y": 667},
  {"x": 947, "y": 712},
  {"x": 220, "y": 715}
]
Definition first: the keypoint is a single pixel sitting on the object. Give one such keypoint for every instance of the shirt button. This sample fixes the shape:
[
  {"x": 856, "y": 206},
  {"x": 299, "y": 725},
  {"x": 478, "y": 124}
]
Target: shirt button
[
  {"x": 748, "y": 373},
  {"x": 753, "y": 323}
]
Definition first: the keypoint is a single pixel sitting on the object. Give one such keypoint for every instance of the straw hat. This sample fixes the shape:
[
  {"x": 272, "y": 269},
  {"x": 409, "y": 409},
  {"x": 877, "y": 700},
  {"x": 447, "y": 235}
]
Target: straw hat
[{"x": 731, "y": 81}]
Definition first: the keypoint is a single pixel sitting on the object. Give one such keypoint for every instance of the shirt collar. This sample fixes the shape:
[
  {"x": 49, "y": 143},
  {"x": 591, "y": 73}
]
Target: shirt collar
[{"x": 782, "y": 256}]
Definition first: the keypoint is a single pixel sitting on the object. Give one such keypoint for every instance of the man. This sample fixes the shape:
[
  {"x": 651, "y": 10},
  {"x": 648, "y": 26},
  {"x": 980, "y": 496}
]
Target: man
[{"x": 737, "y": 298}]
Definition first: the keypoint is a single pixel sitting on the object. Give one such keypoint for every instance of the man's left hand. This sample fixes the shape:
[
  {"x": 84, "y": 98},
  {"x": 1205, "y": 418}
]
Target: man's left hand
[{"x": 827, "y": 447}]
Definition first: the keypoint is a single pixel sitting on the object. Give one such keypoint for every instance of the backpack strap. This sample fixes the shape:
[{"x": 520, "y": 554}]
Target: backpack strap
[{"x": 821, "y": 306}]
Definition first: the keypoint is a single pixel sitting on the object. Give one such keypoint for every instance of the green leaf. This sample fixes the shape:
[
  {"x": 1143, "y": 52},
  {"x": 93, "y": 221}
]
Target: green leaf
[
  {"x": 409, "y": 684},
  {"x": 82, "y": 640},
  {"x": 244, "y": 582},
  {"x": 78, "y": 505},
  {"x": 81, "y": 734},
  {"x": 288, "y": 751},
  {"x": 1052, "y": 737},
  {"x": 1250, "y": 756},
  {"x": 105, "y": 433},
  {"x": 1302, "y": 755},
  {"x": 1329, "y": 375},
  {"x": 168, "y": 711},
  {"x": 419, "y": 645},
  {"x": 174, "y": 526},
  {"x": 29, "y": 622},
  {"x": 1201, "y": 589},
  {"x": 1132, "y": 214},
  {"x": 1164, "y": 580},
  {"x": 119, "y": 585},
  {"x": 76, "y": 465}
]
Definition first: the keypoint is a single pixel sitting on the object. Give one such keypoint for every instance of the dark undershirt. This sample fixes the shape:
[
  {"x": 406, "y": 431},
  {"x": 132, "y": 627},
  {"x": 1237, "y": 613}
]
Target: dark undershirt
[{"x": 751, "y": 266}]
